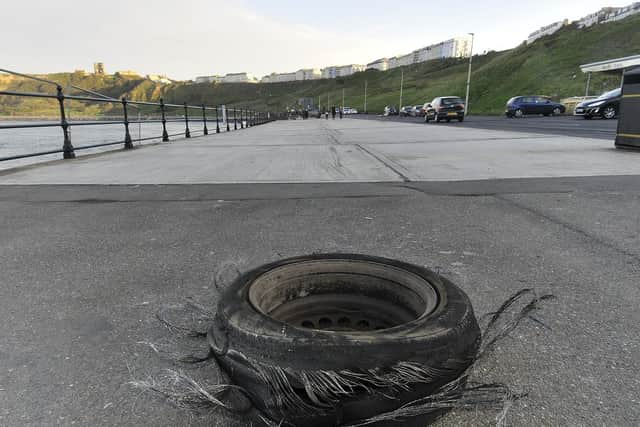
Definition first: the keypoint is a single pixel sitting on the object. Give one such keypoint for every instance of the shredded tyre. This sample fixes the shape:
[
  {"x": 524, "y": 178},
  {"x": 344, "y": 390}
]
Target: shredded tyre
[{"x": 335, "y": 339}]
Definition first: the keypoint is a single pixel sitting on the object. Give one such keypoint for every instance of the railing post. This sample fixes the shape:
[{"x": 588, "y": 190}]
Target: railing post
[
  {"x": 67, "y": 148},
  {"x": 241, "y": 119},
  {"x": 235, "y": 120},
  {"x": 127, "y": 136},
  {"x": 204, "y": 119},
  {"x": 187, "y": 134},
  {"x": 217, "y": 121},
  {"x": 165, "y": 135}
]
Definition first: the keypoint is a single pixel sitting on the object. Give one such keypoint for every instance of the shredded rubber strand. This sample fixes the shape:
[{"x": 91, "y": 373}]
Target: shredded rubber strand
[{"x": 325, "y": 389}]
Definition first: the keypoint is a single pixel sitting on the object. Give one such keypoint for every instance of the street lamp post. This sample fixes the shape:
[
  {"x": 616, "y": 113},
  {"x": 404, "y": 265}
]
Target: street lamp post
[
  {"x": 466, "y": 101},
  {"x": 365, "y": 97},
  {"x": 401, "y": 84}
]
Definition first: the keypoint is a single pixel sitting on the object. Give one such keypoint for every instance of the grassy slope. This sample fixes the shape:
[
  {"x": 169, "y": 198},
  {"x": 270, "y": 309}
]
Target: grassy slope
[{"x": 549, "y": 66}]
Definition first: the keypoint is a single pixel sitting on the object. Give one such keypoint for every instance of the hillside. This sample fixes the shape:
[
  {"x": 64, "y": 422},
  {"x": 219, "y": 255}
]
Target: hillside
[{"x": 549, "y": 66}]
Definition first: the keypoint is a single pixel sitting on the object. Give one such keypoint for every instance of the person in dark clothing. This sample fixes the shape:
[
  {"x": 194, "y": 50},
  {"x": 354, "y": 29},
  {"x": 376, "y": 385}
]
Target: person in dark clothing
[
  {"x": 340, "y": 113},
  {"x": 333, "y": 113}
]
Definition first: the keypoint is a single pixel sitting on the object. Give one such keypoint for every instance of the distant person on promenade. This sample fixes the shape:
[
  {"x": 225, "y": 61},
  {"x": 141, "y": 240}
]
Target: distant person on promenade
[
  {"x": 326, "y": 114},
  {"x": 333, "y": 113},
  {"x": 340, "y": 113}
]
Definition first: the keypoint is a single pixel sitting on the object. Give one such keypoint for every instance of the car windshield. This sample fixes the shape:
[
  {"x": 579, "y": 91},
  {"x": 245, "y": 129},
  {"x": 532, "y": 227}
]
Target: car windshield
[
  {"x": 611, "y": 94},
  {"x": 451, "y": 101}
]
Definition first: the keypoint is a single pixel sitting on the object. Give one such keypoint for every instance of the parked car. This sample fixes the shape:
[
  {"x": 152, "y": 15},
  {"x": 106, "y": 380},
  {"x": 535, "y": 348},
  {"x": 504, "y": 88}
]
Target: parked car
[
  {"x": 444, "y": 108},
  {"x": 520, "y": 106},
  {"x": 405, "y": 111},
  {"x": 606, "y": 106},
  {"x": 390, "y": 110},
  {"x": 417, "y": 111}
]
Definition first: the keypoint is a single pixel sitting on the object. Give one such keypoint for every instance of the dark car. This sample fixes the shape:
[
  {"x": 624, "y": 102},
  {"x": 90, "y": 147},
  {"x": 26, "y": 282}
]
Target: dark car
[
  {"x": 520, "y": 106},
  {"x": 444, "y": 108},
  {"x": 417, "y": 111},
  {"x": 405, "y": 111},
  {"x": 606, "y": 106}
]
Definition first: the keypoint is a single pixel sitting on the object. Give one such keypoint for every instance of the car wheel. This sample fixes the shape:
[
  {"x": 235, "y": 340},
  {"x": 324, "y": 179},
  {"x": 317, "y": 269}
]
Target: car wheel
[
  {"x": 461, "y": 118},
  {"x": 518, "y": 113},
  {"x": 587, "y": 117},
  {"x": 448, "y": 120},
  {"x": 609, "y": 112},
  {"x": 366, "y": 313},
  {"x": 556, "y": 111},
  {"x": 546, "y": 114}
]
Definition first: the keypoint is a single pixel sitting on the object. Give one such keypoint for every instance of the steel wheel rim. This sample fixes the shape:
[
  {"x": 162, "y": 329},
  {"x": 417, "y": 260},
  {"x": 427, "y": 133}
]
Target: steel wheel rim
[{"x": 342, "y": 296}]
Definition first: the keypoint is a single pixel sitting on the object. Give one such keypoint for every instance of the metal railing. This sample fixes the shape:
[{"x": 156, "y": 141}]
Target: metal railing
[{"x": 223, "y": 116}]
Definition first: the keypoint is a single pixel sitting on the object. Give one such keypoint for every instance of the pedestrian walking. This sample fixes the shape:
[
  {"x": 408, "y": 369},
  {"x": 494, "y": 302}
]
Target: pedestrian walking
[{"x": 333, "y": 112}]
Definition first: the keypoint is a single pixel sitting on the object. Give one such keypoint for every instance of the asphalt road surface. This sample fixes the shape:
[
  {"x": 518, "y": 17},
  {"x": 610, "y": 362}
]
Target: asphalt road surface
[
  {"x": 84, "y": 269},
  {"x": 559, "y": 125}
]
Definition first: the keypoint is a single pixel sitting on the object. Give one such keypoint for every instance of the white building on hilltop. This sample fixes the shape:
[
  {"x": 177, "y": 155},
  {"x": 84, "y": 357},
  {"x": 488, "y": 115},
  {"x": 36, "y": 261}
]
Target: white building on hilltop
[
  {"x": 381, "y": 64},
  {"x": 347, "y": 70},
  {"x": 239, "y": 78},
  {"x": 596, "y": 17},
  {"x": 282, "y": 77},
  {"x": 401, "y": 61},
  {"x": 303, "y": 74},
  {"x": 209, "y": 79},
  {"x": 330, "y": 72},
  {"x": 341, "y": 71},
  {"x": 308, "y": 74},
  {"x": 623, "y": 12},
  {"x": 546, "y": 30},
  {"x": 457, "y": 47}
]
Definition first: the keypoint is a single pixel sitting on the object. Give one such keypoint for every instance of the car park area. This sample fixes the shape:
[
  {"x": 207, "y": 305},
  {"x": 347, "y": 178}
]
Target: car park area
[{"x": 560, "y": 125}]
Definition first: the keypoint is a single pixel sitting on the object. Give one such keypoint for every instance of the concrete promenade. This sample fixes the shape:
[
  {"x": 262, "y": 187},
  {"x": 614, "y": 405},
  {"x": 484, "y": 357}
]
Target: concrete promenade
[
  {"x": 85, "y": 267},
  {"x": 342, "y": 151}
]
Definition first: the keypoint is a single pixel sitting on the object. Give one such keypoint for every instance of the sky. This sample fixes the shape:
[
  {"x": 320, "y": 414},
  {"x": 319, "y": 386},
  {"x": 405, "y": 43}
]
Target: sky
[{"x": 187, "y": 38}]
